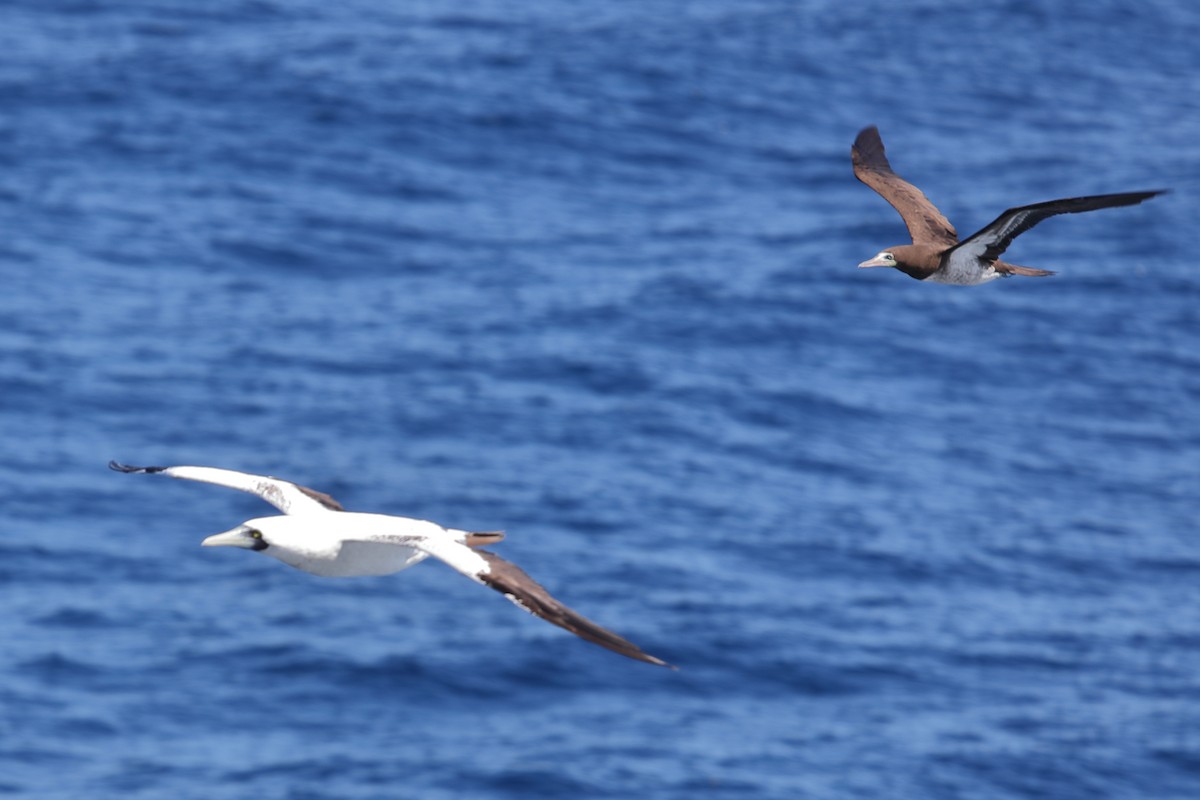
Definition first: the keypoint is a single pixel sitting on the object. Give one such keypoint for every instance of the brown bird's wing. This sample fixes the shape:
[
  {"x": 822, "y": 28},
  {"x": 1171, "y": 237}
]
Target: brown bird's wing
[
  {"x": 925, "y": 223},
  {"x": 995, "y": 237}
]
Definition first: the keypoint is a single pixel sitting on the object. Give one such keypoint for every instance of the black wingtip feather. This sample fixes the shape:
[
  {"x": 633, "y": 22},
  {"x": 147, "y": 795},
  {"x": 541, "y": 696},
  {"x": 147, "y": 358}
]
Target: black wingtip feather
[
  {"x": 119, "y": 467},
  {"x": 1131, "y": 198},
  {"x": 868, "y": 148}
]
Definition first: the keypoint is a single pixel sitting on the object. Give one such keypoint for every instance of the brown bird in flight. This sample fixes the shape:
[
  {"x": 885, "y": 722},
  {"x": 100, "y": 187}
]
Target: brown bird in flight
[{"x": 936, "y": 255}]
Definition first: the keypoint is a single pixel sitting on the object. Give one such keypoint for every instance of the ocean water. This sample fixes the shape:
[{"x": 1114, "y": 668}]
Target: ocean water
[{"x": 585, "y": 273}]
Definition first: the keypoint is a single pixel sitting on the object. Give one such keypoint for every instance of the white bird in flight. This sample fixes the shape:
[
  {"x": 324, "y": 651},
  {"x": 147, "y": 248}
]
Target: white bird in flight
[{"x": 317, "y": 535}]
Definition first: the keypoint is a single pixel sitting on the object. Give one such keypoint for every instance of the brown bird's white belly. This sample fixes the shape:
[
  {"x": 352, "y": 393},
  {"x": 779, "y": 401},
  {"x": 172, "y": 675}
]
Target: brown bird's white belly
[{"x": 963, "y": 270}]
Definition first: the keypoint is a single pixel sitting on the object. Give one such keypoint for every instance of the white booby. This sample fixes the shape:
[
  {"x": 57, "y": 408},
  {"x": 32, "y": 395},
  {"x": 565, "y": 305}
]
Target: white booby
[{"x": 316, "y": 535}]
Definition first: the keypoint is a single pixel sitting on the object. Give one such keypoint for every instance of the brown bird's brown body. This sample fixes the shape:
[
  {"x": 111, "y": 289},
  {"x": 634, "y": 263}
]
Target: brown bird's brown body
[{"x": 936, "y": 255}]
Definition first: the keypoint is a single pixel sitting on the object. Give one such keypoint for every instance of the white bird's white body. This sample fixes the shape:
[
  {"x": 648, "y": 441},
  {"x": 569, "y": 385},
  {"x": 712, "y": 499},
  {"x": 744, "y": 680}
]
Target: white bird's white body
[
  {"x": 349, "y": 544},
  {"x": 334, "y": 548},
  {"x": 316, "y": 535}
]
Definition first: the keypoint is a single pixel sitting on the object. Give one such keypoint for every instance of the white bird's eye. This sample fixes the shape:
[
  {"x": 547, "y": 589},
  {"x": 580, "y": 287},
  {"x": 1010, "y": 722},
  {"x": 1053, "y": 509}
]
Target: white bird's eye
[{"x": 255, "y": 534}]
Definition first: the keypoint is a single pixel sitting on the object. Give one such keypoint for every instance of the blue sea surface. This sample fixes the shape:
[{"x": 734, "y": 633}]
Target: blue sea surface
[{"x": 586, "y": 273}]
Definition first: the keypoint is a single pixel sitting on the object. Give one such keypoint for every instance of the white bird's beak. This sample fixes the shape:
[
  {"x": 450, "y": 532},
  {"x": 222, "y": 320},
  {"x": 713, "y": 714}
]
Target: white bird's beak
[
  {"x": 241, "y": 536},
  {"x": 875, "y": 262}
]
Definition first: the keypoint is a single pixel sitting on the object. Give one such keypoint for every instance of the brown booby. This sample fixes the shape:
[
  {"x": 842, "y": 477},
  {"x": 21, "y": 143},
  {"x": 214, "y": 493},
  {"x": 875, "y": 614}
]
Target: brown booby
[
  {"x": 936, "y": 254},
  {"x": 316, "y": 535}
]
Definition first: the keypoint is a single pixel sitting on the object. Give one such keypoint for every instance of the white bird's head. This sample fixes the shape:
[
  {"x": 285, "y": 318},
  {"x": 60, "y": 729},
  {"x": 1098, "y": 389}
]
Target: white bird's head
[
  {"x": 294, "y": 540},
  {"x": 248, "y": 535}
]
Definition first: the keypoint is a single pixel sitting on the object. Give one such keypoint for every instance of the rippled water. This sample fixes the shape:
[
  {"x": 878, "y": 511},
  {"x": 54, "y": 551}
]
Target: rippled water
[{"x": 587, "y": 274}]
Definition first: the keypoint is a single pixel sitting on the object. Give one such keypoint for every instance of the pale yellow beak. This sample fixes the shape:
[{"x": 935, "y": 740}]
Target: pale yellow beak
[
  {"x": 238, "y": 537},
  {"x": 875, "y": 262}
]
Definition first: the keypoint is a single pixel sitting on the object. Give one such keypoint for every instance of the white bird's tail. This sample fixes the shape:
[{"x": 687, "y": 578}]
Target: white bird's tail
[{"x": 481, "y": 538}]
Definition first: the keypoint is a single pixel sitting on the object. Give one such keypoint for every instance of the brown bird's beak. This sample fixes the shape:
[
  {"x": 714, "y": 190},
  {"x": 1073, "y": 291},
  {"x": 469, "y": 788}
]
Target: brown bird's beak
[{"x": 875, "y": 262}]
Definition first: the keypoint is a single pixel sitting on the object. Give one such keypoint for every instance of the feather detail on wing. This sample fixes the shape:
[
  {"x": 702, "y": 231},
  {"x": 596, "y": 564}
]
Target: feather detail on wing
[
  {"x": 514, "y": 583},
  {"x": 925, "y": 223},
  {"x": 995, "y": 237},
  {"x": 288, "y": 497}
]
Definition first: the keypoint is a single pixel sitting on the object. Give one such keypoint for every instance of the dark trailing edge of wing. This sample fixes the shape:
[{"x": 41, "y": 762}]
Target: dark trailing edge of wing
[
  {"x": 513, "y": 582},
  {"x": 320, "y": 497}
]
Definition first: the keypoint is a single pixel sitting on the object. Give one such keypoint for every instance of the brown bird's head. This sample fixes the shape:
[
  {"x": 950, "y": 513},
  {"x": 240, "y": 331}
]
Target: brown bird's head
[
  {"x": 917, "y": 261},
  {"x": 884, "y": 258}
]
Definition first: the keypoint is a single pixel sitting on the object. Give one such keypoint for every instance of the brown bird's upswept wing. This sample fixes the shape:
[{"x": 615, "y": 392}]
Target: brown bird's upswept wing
[{"x": 925, "y": 223}]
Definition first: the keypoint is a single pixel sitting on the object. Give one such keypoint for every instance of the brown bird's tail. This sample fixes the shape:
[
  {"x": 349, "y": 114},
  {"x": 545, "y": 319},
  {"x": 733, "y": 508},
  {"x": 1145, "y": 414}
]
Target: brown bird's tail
[{"x": 1029, "y": 272}]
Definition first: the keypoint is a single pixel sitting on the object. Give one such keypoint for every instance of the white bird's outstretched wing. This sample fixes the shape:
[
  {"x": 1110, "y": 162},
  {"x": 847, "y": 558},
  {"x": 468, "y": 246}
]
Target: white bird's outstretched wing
[
  {"x": 510, "y": 580},
  {"x": 288, "y": 497}
]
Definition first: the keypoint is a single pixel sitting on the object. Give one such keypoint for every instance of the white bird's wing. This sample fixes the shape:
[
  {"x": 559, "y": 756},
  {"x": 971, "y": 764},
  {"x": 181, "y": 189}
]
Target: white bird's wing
[
  {"x": 288, "y": 497},
  {"x": 510, "y": 580}
]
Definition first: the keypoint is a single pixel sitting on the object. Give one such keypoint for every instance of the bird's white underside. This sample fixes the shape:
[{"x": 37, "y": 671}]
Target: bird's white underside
[
  {"x": 351, "y": 544},
  {"x": 963, "y": 269}
]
